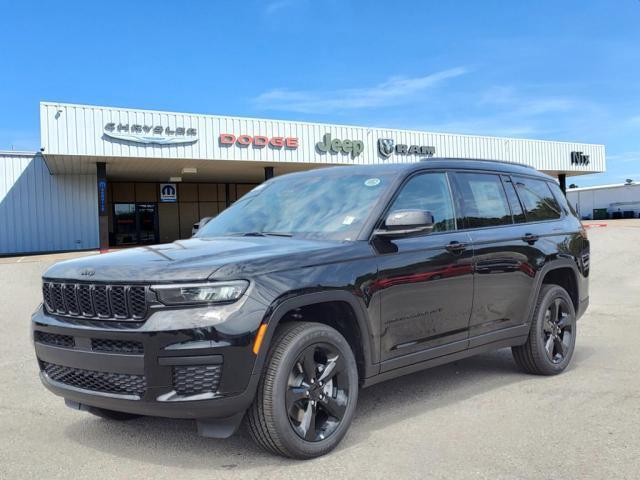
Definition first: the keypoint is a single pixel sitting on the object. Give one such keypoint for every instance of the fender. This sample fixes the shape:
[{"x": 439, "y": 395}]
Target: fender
[
  {"x": 278, "y": 312},
  {"x": 562, "y": 262}
]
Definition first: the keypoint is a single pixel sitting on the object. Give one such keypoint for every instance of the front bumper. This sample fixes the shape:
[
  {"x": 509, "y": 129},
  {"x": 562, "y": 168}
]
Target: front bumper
[{"x": 200, "y": 372}]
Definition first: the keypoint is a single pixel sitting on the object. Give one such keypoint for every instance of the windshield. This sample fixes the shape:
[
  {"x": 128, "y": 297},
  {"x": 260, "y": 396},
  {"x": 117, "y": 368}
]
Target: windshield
[{"x": 329, "y": 206}]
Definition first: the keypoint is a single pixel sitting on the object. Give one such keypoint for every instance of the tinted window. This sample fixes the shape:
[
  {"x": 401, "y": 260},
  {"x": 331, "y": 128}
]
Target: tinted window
[
  {"x": 514, "y": 203},
  {"x": 428, "y": 191},
  {"x": 537, "y": 199},
  {"x": 326, "y": 204},
  {"x": 561, "y": 199},
  {"x": 482, "y": 200}
]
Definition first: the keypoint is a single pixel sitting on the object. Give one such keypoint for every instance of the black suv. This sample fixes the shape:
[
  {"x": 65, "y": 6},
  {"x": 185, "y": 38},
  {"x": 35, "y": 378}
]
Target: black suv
[{"x": 315, "y": 285}]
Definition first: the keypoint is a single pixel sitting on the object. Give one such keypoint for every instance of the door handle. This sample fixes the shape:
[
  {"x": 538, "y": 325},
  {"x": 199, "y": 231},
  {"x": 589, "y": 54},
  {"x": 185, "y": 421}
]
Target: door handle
[
  {"x": 456, "y": 247},
  {"x": 530, "y": 238}
]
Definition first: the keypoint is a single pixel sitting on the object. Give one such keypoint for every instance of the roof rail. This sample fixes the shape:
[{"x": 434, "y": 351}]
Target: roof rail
[{"x": 505, "y": 162}]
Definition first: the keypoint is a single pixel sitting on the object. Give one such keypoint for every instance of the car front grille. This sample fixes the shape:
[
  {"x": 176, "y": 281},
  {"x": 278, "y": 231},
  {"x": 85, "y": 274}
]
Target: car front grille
[
  {"x": 104, "y": 382},
  {"x": 192, "y": 380},
  {"x": 117, "y": 346},
  {"x": 104, "y": 302},
  {"x": 54, "y": 339}
]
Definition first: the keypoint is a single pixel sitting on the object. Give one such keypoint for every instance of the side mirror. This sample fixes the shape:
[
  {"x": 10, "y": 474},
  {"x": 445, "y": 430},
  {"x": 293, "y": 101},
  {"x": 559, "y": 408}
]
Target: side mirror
[{"x": 403, "y": 223}]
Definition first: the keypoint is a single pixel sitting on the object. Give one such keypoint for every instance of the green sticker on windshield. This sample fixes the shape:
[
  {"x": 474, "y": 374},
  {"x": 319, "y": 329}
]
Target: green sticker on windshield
[{"x": 371, "y": 182}]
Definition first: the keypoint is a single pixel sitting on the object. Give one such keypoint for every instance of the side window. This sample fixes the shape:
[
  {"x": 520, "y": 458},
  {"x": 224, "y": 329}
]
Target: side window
[
  {"x": 483, "y": 200},
  {"x": 561, "y": 199},
  {"x": 537, "y": 199},
  {"x": 514, "y": 202},
  {"x": 428, "y": 191}
]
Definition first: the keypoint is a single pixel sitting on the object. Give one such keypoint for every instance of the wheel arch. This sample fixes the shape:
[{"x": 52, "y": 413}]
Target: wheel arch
[
  {"x": 363, "y": 348},
  {"x": 555, "y": 272}
]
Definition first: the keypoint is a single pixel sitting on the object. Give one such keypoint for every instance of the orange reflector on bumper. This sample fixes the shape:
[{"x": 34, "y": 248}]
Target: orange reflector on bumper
[{"x": 259, "y": 338}]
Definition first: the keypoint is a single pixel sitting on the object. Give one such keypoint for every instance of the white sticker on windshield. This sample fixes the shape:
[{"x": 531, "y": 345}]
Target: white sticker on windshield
[
  {"x": 348, "y": 220},
  {"x": 371, "y": 182}
]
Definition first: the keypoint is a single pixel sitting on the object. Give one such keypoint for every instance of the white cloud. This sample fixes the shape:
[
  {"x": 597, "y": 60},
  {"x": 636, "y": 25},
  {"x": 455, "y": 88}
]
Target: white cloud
[
  {"x": 623, "y": 157},
  {"x": 273, "y": 7},
  {"x": 634, "y": 121},
  {"x": 391, "y": 92},
  {"x": 510, "y": 98}
]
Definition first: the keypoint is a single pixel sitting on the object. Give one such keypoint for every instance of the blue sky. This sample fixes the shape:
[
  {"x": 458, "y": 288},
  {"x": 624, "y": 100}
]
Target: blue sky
[{"x": 562, "y": 70}]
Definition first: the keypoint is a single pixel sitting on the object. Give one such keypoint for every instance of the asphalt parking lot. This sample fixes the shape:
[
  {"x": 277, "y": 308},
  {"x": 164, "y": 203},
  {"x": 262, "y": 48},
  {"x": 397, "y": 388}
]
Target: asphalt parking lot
[{"x": 477, "y": 418}]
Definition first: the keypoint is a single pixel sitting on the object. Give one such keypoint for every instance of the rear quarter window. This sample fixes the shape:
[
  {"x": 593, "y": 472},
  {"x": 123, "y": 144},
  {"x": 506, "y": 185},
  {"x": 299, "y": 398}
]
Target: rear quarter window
[
  {"x": 537, "y": 199},
  {"x": 562, "y": 200}
]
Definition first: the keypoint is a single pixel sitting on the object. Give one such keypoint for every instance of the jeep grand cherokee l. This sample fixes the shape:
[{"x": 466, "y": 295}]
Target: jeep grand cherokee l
[{"x": 315, "y": 285}]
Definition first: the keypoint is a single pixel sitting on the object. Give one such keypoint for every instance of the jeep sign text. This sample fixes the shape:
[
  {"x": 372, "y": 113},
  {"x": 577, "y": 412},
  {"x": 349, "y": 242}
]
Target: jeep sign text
[{"x": 354, "y": 147}]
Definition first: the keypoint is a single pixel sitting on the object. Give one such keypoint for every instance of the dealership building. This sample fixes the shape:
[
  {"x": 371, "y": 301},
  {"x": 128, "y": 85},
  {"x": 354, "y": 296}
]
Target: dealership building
[
  {"x": 108, "y": 177},
  {"x": 620, "y": 200}
]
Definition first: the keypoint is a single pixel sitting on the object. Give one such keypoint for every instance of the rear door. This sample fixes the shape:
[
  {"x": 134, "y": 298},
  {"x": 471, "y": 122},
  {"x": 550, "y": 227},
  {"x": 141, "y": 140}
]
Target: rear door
[
  {"x": 426, "y": 281},
  {"x": 503, "y": 272}
]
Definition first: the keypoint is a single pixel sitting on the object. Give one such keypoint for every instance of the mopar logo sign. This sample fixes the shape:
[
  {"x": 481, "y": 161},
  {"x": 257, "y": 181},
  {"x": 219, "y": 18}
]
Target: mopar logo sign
[
  {"x": 102, "y": 197},
  {"x": 168, "y": 192}
]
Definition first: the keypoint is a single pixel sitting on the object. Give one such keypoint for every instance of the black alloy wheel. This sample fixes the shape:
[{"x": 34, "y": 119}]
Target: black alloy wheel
[
  {"x": 307, "y": 393},
  {"x": 552, "y": 335},
  {"x": 317, "y": 392},
  {"x": 557, "y": 330}
]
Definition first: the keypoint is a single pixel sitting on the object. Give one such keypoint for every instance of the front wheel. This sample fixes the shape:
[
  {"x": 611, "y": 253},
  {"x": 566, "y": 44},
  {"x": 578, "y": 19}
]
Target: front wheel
[
  {"x": 552, "y": 337},
  {"x": 307, "y": 394}
]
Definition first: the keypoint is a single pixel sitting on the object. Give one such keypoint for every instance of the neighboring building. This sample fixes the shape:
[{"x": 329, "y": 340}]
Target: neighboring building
[
  {"x": 117, "y": 176},
  {"x": 615, "y": 199}
]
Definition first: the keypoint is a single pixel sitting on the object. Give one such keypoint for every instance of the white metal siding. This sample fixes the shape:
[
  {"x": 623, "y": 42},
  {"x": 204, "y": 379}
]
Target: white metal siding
[
  {"x": 42, "y": 212},
  {"x": 79, "y": 130},
  {"x": 615, "y": 198}
]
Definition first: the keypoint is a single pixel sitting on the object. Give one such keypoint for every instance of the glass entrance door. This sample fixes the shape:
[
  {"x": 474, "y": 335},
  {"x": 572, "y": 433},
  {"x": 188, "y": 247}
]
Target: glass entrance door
[
  {"x": 147, "y": 216},
  {"x": 124, "y": 219},
  {"x": 135, "y": 223}
]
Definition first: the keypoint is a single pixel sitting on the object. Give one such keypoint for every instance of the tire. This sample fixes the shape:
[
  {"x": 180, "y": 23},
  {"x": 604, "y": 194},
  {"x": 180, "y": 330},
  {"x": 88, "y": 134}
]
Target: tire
[
  {"x": 552, "y": 336},
  {"x": 112, "y": 414},
  {"x": 292, "y": 415}
]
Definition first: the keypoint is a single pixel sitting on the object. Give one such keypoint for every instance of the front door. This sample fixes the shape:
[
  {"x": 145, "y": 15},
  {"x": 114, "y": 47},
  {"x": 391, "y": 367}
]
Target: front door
[{"x": 426, "y": 281}]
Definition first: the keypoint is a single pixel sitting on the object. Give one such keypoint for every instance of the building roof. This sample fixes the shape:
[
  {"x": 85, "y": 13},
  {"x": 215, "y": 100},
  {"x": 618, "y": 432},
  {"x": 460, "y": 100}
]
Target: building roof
[
  {"x": 75, "y": 137},
  {"x": 603, "y": 187},
  {"x": 17, "y": 153}
]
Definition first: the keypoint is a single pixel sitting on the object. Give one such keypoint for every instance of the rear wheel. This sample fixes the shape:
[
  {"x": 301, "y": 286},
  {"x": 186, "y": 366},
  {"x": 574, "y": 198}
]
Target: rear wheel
[
  {"x": 307, "y": 394},
  {"x": 552, "y": 337}
]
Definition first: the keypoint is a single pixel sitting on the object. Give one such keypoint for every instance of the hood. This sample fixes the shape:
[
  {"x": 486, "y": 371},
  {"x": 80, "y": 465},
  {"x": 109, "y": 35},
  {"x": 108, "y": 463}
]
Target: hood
[{"x": 197, "y": 259}]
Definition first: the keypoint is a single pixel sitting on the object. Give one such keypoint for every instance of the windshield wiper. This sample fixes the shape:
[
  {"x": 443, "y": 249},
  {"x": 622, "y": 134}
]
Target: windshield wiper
[{"x": 264, "y": 234}]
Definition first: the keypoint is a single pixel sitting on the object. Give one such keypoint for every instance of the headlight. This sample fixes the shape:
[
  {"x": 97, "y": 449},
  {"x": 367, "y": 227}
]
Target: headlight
[{"x": 198, "y": 293}]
